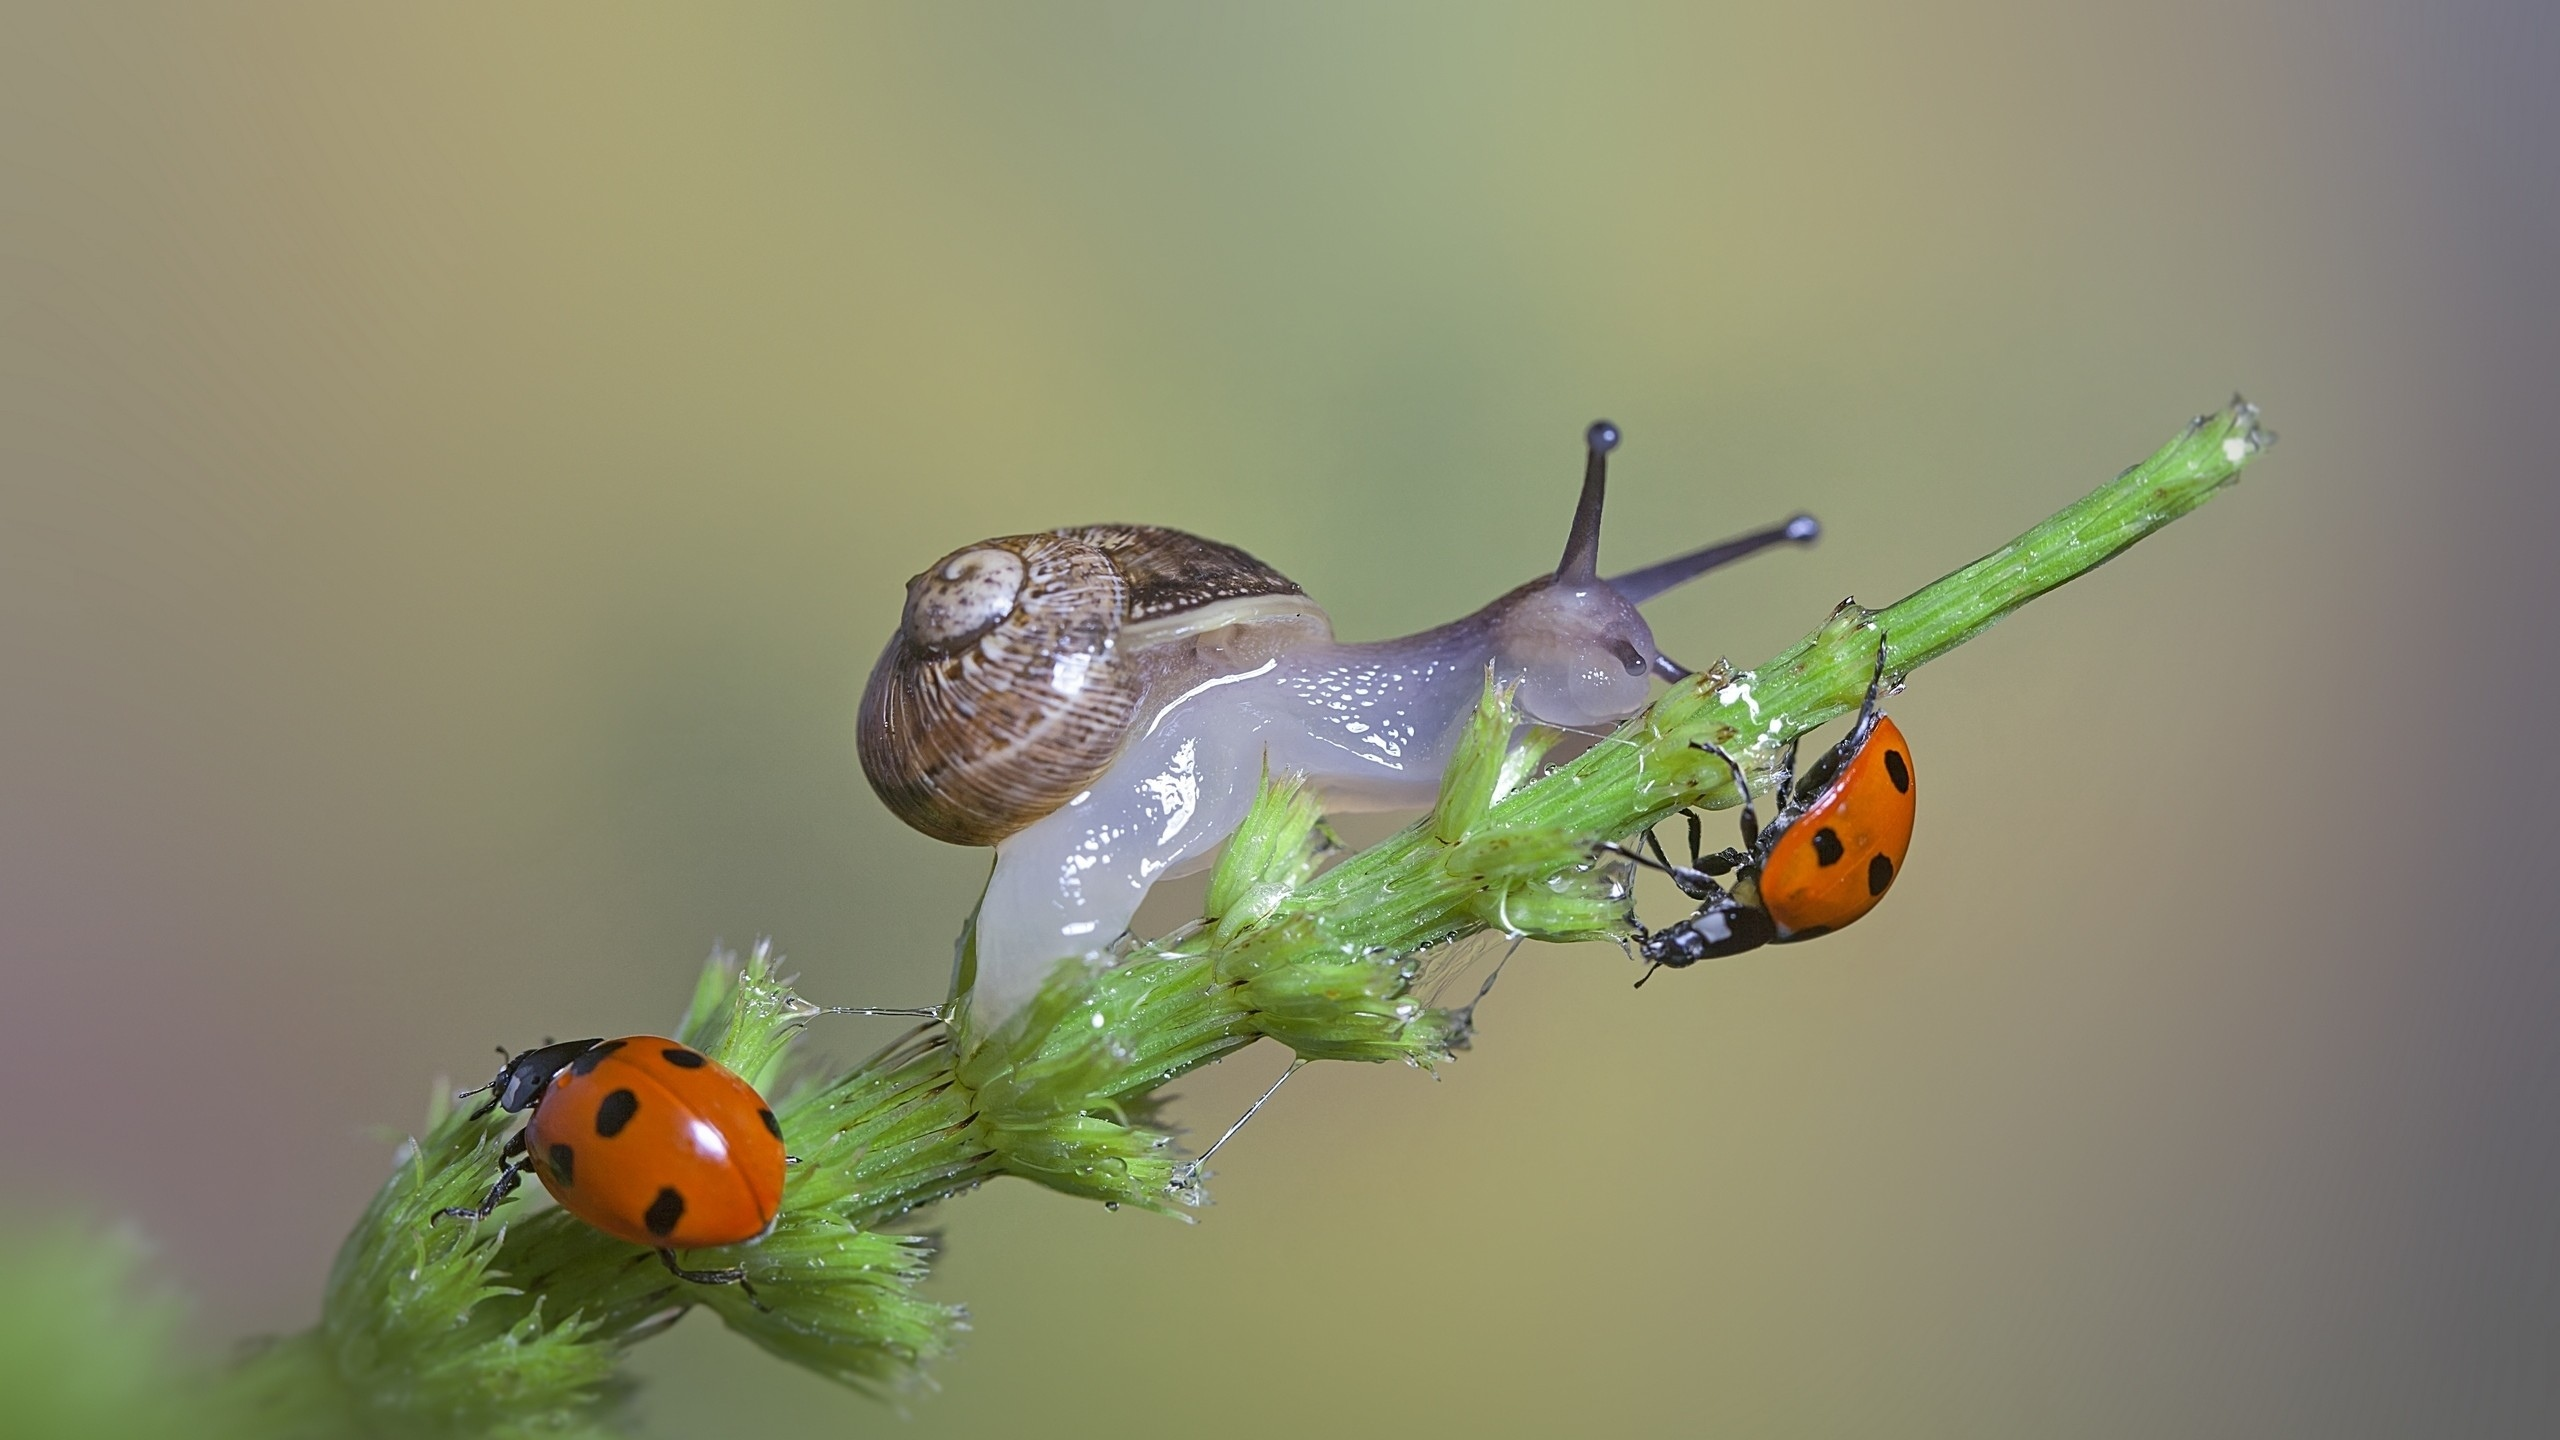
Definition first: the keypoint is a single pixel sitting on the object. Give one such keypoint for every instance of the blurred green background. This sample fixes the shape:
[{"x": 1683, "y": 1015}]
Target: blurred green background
[{"x": 459, "y": 465}]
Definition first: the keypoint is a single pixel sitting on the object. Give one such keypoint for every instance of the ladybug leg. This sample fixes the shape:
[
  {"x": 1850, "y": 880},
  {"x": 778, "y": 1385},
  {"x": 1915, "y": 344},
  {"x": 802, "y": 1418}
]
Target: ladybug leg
[
  {"x": 735, "y": 1275},
  {"x": 1838, "y": 756},
  {"x": 1722, "y": 862},
  {"x": 1750, "y": 817},
  {"x": 510, "y": 1175},
  {"x": 1783, "y": 782},
  {"x": 1695, "y": 881},
  {"x": 1693, "y": 877},
  {"x": 1875, "y": 687},
  {"x": 1699, "y": 865},
  {"x": 508, "y": 1179}
]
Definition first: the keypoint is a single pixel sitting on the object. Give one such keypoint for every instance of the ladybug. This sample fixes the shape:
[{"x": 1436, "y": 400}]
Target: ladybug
[
  {"x": 1834, "y": 848},
  {"x": 647, "y": 1140}
]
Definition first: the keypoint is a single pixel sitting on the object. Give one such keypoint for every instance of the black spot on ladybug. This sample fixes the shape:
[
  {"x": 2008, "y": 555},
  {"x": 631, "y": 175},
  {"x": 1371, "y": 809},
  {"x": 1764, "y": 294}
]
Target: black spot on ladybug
[
  {"x": 616, "y": 1112},
  {"x": 682, "y": 1058},
  {"x": 1826, "y": 846},
  {"x": 770, "y": 1123},
  {"x": 586, "y": 1064},
  {"x": 664, "y": 1212},
  {"x": 563, "y": 1164},
  {"x": 1879, "y": 875},
  {"x": 1899, "y": 770}
]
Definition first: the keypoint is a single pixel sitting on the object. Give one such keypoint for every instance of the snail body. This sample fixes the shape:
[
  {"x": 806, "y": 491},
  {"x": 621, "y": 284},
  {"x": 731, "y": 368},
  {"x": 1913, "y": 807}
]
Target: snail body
[{"x": 1100, "y": 703}]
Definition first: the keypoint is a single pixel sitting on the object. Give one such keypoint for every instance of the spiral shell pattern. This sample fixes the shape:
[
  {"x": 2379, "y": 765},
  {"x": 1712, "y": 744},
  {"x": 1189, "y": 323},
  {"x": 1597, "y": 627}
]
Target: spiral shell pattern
[{"x": 982, "y": 715}]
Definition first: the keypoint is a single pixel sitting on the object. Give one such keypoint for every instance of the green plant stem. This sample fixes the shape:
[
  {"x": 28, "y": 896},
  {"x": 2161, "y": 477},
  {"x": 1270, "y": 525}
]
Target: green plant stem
[{"x": 538, "y": 1309}]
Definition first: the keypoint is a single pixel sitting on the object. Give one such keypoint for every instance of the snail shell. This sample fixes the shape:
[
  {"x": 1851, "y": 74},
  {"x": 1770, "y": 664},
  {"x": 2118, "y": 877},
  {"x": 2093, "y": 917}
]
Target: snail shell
[{"x": 1021, "y": 663}]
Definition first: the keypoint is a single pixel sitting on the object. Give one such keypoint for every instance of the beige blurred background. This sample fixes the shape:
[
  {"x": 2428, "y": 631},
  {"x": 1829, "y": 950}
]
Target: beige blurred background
[{"x": 456, "y": 469}]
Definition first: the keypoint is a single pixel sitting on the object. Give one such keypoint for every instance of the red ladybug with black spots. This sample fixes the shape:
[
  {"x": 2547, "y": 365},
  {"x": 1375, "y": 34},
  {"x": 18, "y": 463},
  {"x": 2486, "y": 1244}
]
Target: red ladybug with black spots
[
  {"x": 647, "y": 1140},
  {"x": 1836, "y": 845}
]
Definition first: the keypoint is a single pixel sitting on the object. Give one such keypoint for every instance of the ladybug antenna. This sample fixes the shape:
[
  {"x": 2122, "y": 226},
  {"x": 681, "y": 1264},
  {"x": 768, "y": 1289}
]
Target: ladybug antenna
[
  {"x": 1648, "y": 974},
  {"x": 490, "y": 1090},
  {"x": 1581, "y": 563},
  {"x": 504, "y": 1060}
]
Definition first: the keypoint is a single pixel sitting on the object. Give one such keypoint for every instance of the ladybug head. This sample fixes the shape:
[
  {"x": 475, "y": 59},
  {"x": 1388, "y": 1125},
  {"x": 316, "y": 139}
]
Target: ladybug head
[
  {"x": 1726, "y": 924},
  {"x": 521, "y": 1081}
]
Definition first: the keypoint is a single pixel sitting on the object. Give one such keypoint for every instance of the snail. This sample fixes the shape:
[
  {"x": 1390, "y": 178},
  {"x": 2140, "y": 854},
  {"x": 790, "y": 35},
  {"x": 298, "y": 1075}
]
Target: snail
[{"x": 1100, "y": 703}]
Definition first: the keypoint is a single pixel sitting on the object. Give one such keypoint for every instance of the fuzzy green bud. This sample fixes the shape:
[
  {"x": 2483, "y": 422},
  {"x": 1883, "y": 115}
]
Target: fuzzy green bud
[
  {"x": 1270, "y": 855},
  {"x": 1476, "y": 771}
]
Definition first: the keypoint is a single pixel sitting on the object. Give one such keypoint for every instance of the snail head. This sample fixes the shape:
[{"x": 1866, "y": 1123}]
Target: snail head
[{"x": 1575, "y": 641}]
